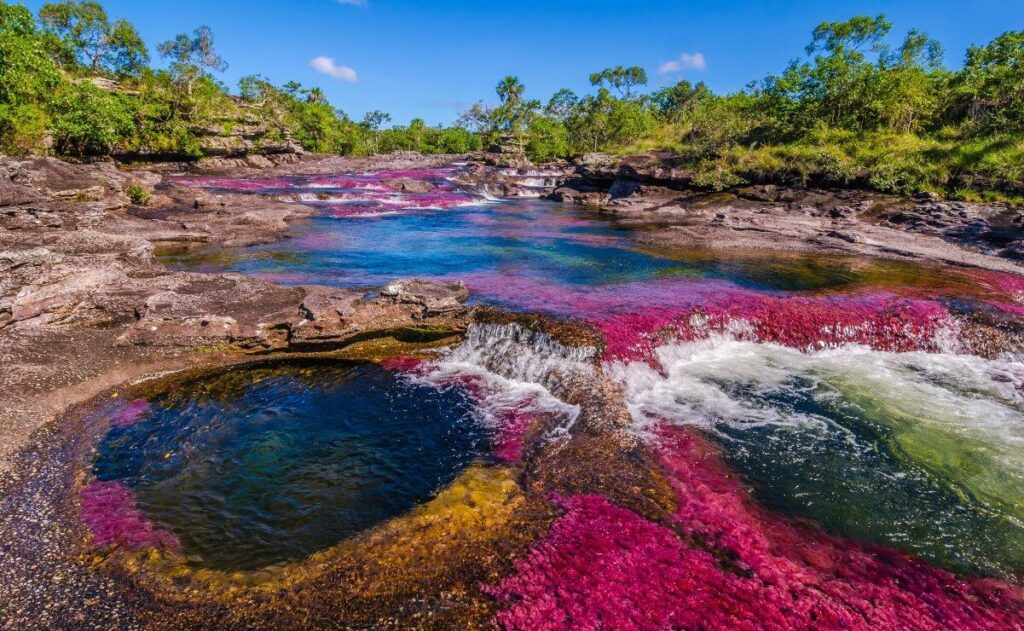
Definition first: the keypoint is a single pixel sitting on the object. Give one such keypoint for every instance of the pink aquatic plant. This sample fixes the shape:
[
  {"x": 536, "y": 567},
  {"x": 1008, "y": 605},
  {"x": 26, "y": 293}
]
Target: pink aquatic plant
[
  {"x": 510, "y": 418},
  {"x": 440, "y": 199},
  {"x": 415, "y": 174},
  {"x": 879, "y": 321},
  {"x": 513, "y": 424},
  {"x": 345, "y": 182},
  {"x": 635, "y": 317},
  {"x": 722, "y": 562},
  {"x": 403, "y": 363},
  {"x": 110, "y": 511},
  {"x": 129, "y": 413}
]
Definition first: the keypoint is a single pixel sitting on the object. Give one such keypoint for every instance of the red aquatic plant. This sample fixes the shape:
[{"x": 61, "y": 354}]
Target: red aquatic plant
[
  {"x": 129, "y": 413},
  {"x": 110, "y": 511},
  {"x": 513, "y": 423},
  {"x": 879, "y": 321},
  {"x": 636, "y": 317},
  {"x": 415, "y": 174},
  {"x": 509, "y": 419},
  {"x": 402, "y": 363},
  {"x": 723, "y": 562}
]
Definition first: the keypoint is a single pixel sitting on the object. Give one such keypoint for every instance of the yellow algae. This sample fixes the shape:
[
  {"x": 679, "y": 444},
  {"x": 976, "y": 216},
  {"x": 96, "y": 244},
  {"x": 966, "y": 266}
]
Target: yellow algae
[
  {"x": 378, "y": 349},
  {"x": 446, "y": 547}
]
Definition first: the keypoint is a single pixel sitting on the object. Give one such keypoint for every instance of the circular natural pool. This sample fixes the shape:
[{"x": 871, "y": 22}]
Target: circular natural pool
[{"x": 253, "y": 466}]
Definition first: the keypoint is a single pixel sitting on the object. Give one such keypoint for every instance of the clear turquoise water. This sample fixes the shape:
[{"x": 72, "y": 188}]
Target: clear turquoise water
[{"x": 255, "y": 466}]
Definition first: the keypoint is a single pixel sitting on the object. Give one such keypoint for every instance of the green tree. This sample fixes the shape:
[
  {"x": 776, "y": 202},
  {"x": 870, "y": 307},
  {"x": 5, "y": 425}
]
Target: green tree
[
  {"x": 602, "y": 122},
  {"x": 833, "y": 86},
  {"x": 316, "y": 95},
  {"x": 547, "y": 139},
  {"x": 621, "y": 79},
  {"x": 92, "y": 40},
  {"x": 514, "y": 115},
  {"x": 90, "y": 121},
  {"x": 192, "y": 58},
  {"x": 417, "y": 133},
  {"x": 673, "y": 102},
  {"x": 372, "y": 123},
  {"x": 510, "y": 89},
  {"x": 562, "y": 104},
  {"x": 906, "y": 91},
  {"x": 28, "y": 79},
  {"x": 457, "y": 139},
  {"x": 479, "y": 120},
  {"x": 990, "y": 88}
]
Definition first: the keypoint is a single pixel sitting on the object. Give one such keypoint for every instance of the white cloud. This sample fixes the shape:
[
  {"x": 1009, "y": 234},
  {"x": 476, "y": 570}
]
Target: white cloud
[
  {"x": 686, "y": 61},
  {"x": 327, "y": 66}
]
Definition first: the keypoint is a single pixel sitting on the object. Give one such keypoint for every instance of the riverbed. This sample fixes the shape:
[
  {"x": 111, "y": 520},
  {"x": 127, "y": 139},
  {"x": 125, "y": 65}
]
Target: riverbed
[{"x": 625, "y": 434}]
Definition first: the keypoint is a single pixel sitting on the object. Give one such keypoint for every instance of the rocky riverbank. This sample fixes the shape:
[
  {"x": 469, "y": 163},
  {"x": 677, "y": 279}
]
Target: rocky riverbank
[
  {"x": 650, "y": 189},
  {"x": 84, "y": 305}
]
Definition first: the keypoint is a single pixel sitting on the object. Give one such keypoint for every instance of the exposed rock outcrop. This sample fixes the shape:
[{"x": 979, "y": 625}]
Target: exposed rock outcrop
[
  {"x": 408, "y": 185},
  {"x": 989, "y": 227},
  {"x": 654, "y": 188}
]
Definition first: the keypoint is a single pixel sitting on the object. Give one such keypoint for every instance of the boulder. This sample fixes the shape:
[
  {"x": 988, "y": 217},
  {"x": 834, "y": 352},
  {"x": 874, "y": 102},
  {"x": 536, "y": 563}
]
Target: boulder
[
  {"x": 576, "y": 197},
  {"x": 435, "y": 298},
  {"x": 408, "y": 185},
  {"x": 631, "y": 197}
]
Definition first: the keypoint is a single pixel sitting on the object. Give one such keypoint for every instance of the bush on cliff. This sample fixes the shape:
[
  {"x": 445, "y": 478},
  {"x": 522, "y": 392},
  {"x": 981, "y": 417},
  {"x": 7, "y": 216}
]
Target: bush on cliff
[
  {"x": 90, "y": 121},
  {"x": 28, "y": 76}
]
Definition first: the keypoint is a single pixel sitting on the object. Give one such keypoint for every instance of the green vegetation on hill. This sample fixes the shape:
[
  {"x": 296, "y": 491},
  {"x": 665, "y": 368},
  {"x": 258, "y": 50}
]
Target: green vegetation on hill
[
  {"x": 859, "y": 109},
  {"x": 854, "y": 111}
]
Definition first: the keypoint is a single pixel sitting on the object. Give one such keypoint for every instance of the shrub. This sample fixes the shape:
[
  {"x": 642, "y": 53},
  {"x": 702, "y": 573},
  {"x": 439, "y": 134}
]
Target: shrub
[
  {"x": 137, "y": 194},
  {"x": 89, "y": 121}
]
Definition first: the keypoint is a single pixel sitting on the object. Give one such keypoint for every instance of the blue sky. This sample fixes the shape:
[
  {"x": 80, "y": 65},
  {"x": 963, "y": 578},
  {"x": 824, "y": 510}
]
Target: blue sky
[{"x": 433, "y": 58}]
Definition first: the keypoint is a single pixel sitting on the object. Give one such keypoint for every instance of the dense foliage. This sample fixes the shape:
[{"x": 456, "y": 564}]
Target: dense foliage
[
  {"x": 73, "y": 81},
  {"x": 859, "y": 108},
  {"x": 855, "y": 110}
]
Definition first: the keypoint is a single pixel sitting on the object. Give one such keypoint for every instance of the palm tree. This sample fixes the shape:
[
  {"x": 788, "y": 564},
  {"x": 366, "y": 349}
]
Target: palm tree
[
  {"x": 510, "y": 89},
  {"x": 316, "y": 95}
]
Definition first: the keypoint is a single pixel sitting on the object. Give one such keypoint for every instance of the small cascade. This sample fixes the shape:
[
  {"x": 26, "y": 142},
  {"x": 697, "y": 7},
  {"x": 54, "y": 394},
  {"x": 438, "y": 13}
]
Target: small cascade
[
  {"x": 355, "y": 195},
  {"x": 514, "y": 374},
  {"x": 521, "y": 354},
  {"x": 529, "y": 182},
  {"x": 847, "y": 436}
]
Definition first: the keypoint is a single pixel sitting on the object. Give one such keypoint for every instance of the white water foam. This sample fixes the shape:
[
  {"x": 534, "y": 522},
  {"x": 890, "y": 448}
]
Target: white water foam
[
  {"x": 696, "y": 384},
  {"x": 960, "y": 415},
  {"x": 515, "y": 368}
]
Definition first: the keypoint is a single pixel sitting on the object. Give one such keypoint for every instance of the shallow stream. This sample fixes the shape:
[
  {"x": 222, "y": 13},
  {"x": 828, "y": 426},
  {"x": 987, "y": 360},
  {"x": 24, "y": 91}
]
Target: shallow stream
[{"x": 848, "y": 395}]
